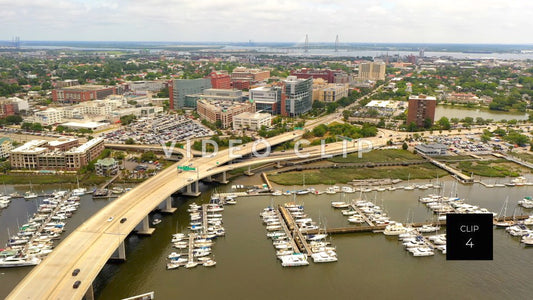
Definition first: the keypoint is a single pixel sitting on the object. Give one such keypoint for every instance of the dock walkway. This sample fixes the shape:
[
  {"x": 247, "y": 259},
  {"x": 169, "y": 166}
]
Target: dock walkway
[
  {"x": 362, "y": 214},
  {"x": 287, "y": 232},
  {"x": 297, "y": 235}
]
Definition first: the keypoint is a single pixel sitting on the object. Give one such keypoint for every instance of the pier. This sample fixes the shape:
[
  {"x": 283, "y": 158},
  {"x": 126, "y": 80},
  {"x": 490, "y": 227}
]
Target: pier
[
  {"x": 287, "y": 232},
  {"x": 110, "y": 181},
  {"x": 358, "y": 229},
  {"x": 267, "y": 182},
  {"x": 204, "y": 218},
  {"x": 456, "y": 173},
  {"x": 192, "y": 236},
  {"x": 362, "y": 214},
  {"x": 297, "y": 235}
]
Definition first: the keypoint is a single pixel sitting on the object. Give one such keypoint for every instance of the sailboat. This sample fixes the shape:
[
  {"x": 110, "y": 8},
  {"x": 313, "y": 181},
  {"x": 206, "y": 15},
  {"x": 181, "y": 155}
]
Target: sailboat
[
  {"x": 303, "y": 191},
  {"x": 503, "y": 223},
  {"x": 78, "y": 191},
  {"x": 409, "y": 187},
  {"x": 30, "y": 194}
]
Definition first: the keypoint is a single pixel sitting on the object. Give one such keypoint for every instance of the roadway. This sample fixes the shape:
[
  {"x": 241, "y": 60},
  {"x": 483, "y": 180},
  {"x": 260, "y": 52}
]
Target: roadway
[{"x": 90, "y": 246}]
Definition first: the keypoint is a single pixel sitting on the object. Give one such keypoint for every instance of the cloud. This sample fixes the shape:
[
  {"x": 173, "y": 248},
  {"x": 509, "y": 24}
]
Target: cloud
[{"x": 450, "y": 21}]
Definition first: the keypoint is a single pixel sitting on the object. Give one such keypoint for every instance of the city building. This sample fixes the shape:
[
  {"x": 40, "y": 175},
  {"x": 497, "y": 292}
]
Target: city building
[
  {"x": 51, "y": 116},
  {"x": 251, "y": 121},
  {"x": 62, "y": 144},
  {"x": 142, "y": 87},
  {"x": 299, "y": 93},
  {"x": 80, "y": 93},
  {"x": 222, "y": 112},
  {"x": 386, "y": 107},
  {"x": 245, "y": 74},
  {"x": 431, "y": 149},
  {"x": 180, "y": 88},
  {"x": 268, "y": 98},
  {"x": 330, "y": 76},
  {"x": 46, "y": 155},
  {"x": 7, "y": 108},
  {"x": 372, "y": 71},
  {"x": 420, "y": 108},
  {"x": 220, "y": 80},
  {"x": 66, "y": 83},
  {"x": 463, "y": 98},
  {"x": 330, "y": 92},
  {"x": 240, "y": 85},
  {"x": 6, "y": 145},
  {"x": 106, "y": 167},
  {"x": 217, "y": 95}
]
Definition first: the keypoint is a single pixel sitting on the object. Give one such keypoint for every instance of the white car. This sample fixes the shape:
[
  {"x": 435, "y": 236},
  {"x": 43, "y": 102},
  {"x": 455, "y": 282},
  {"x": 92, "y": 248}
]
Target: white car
[
  {"x": 110, "y": 219},
  {"x": 190, "y": 180}
]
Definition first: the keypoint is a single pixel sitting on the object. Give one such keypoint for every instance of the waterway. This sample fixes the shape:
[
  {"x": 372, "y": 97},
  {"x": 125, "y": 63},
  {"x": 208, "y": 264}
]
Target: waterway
[
  {"x": 370, "y": 265},
  {"x": 463, "y": 112}
]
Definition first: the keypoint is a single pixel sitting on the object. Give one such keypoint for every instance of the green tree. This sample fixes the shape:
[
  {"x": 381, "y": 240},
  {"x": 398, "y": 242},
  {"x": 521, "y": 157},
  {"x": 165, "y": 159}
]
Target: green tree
[
  {"x": 405, "y": 146},
  {"x": 129, "y": 141},
  {"x": 444, "y": 123}
]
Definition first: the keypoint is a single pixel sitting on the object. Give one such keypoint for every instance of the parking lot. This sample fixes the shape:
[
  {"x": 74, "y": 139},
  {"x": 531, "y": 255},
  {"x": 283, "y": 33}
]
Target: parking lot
[{"x": 158, "y": 130}]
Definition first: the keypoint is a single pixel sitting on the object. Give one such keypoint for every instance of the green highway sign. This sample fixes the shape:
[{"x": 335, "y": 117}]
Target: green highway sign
[
  {"x": 298, "y": 128},
  {"x": 186, "y": 168}
]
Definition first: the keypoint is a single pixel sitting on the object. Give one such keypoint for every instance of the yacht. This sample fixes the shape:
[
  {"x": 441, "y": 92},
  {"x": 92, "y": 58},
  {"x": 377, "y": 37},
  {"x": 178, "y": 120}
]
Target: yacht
[
  {"x": 11, "y": 262},
  {"x": 277, "y": 193},
  {"x": 518, "y": 230},
  {"x": 294, "y": 260},
  {"x": 117, "y": 190},
  {"x": 323, "y": 256},
  {"x": 30, "y": 195},
  {"x": 395, "y": 229},
  {"x": 519, "y": 181},
  {"x": 527, "y": 239},
  {"x": 156, "y": 221},
  {"x": 528, "y": 221},
  {"x": 428, "y": 228},
  {"x": 422, "y": 251},
  {"x": 191, "y": 264},
  {"x": 526, "y": 202},
  {"x": 339, "y": 204},
  {"x": 356, "y": 219},
  {"x": 209, "y": 263},
  {"x": 330, "y": 191},
  {"x": 348, "y": 212}
]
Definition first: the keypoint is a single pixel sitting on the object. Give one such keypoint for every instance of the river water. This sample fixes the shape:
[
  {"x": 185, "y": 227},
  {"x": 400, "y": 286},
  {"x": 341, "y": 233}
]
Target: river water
[
  {"x": 370, "y": 265},
  {"x": 461, "y": 113}
]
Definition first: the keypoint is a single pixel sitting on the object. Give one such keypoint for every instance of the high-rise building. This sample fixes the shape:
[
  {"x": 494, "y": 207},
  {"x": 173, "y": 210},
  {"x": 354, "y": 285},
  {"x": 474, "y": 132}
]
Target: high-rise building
[
  {"x": 299, "y": 94},
  {"x": 372, "y": 71},
  {"x": 420, "y": 108},
  {"x": 220, "y": 80},
  {"x": 180, "y": 88},
  {"x": 244, "y": 74},
  {"x": 268, "y": 98}
]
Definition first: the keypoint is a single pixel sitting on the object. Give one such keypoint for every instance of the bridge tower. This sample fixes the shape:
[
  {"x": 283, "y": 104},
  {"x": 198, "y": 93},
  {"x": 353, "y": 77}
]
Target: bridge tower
[
  {"x": 306, "y": 46},
  {"x": 337, "y": 44}
]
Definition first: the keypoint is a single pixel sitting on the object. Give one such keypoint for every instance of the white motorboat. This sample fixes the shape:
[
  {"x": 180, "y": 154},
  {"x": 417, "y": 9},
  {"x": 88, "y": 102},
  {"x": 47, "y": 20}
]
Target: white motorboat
[
  {"x": 30, "y": 195},
  {"x": 316, "y": 237},
  {"x": 395, "y": 229},
  {"x": 294, "y": 260},
  {"x": 348, "y": 212},
  {"x": 518, "y": 230},
  {"x": 320, "y": 257},
  {"x": 12, "y": 262},
  {"x": 528, "y": 221},
  {"x": 422, "y": 251},
  {"x": 356, "y": 219},
  {"x": 519, "y": 181},
  {"x": 191, "y": 264},
  {"x": 527, "y": 239},
  {"x": 526, "y": 202},
  {"x": 339, "y": 204},
  {"x": 209, "y": 263},
  {"x": 428, "y": 228},
  {"x": 156, "y": 221},
  {"x": 277, "y": 193}
]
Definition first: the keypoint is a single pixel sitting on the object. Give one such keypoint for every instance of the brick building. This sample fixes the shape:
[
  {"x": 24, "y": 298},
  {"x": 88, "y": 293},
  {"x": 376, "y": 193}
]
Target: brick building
[
  {"x": 220, "y": 80},
  {"x": 80, "y": 93},
  {"x": 420, "y": 108},
  {"x": 330, "y": 76},
  {"x": 222, "y": 111}
]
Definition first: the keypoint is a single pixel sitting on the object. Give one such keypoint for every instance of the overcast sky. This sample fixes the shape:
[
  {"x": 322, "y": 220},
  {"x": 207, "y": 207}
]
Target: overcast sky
[{"x": 409, "y": 21}]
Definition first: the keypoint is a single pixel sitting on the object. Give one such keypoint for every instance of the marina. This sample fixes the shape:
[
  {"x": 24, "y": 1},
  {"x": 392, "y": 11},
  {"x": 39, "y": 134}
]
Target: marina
[{"x": 317, "y": 206}]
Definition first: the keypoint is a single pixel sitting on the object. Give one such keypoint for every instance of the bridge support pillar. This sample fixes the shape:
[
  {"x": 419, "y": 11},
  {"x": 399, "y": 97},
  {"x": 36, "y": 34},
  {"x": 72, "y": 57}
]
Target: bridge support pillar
[
  {"x": 146, "y": 230},
  {"x": 208, "y": 179},
  {"x": 168, "y": 206},
  {"x": 89, "y": 294},
  {"x": 224, "y": 178},
  {"x": 190, "y": 192},
  {"x": 122, "y": 251},
  {"x": 249, "y": 172}
]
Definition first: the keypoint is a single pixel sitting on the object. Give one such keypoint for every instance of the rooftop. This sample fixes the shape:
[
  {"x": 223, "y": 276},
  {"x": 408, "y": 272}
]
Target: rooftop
[
  {"x": 86, "y": 146},
  {"x": 106, "y": 161},
  {"x": 88, "y": 87},
  {"x": 32, "y": 146}
]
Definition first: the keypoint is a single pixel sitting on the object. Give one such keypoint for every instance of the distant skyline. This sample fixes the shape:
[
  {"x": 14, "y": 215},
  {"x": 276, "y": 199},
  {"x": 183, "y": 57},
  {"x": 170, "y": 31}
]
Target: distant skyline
[{"x": 357, "y": 21}]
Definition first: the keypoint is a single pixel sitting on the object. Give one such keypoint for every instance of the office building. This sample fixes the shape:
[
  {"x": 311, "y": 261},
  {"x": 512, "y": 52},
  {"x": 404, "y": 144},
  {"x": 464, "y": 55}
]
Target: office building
[
  {"x": 106, "y": 167},
  {"x": 222, "y": 112},
  {"x": 330, "y": 76},
  {"x": 431, "y": 149},
  {"x": 299, "y": 93},
  {"x": 7, "y": 108},
  {"x": 220, "y": 80},
  {"x": 251, "y": 121},
  {"x": 6, "y": 145},
  {"x": 372, "y": 71},
  {"x": 268, "y": 98},
  {"x": 180, "y": 88},
  {"x": 66, "y": 83},
  {"x": 420, "y": 108},
  {"x": 54, "y": 155},
  {"x": 47, "y": 117},
  {"x": 80, "y": 93},
  {"x": 245, "y": 74},
  {"x": 330, "y": 92},
  {"x": 217, "y": 95}
]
